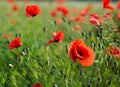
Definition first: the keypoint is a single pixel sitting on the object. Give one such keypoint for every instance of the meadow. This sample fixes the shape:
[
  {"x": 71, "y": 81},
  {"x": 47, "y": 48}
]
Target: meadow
[{"x": 51, "y": 65}]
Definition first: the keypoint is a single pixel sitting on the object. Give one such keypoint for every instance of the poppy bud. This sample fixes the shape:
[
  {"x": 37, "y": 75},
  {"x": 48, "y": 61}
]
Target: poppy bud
[
  {"x": 64, "y": 19},
  {"x": 99, "y": 79},
  {"x": 44, "y": 29}
]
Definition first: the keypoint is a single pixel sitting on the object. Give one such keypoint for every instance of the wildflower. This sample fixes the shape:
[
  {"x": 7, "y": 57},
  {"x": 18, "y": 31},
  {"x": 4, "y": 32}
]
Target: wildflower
[
  {"x": 85, "y": 11},
  {"x": 15, "y": 43},
  {"x": 25, "y": 0},
  {"x": 57, "y": 36},
  {"x": 37, "y": 85},
  {"x": 106, "y": 5},
  {"x": 10, "y": 1},
  {"x": 63, "y": 9},
  {"x": 118, "y": 16},
  {"x": 118, "y": 5},
  {"x": 6, "y": 36},
  {"x": 77, "y": 27},
  {"x": 32, "y": 10},
  {"x": 15, "y": 7},
  {"x": 75, "y": 11},
  {"x": 54, "y": 13},
  {"x": 58, "y": 21},
  {"x": 78, "y": 50},
  {"x": 12, "y": 21},
  {"x": 94, "y": 21},
  {"x": 79, "y": 19},
  {"x": 60, "y": 1},
  {"x": 113, "y": 50},
  {"x": 95, "y": 15}
]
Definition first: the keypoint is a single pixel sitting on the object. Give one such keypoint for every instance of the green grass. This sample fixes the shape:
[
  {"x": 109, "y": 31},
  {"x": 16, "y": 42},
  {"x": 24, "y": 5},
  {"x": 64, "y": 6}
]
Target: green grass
[{"x": 52, "y": 66}]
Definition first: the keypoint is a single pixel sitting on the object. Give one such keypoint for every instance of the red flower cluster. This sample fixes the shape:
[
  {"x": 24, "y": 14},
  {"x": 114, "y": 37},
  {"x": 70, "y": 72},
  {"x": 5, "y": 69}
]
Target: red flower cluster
[
  {"x": 78, "y": 50},
  {"x": 82, "y": 15},
  {"x": 32, "y": 10},
  {"x": 58, "y": 37},
  {"x": 106, "y": 5},
  {"x": 15, "y": 43},
  {"x": 63, "y": 9},
  {"x": 113, "y": 50}
]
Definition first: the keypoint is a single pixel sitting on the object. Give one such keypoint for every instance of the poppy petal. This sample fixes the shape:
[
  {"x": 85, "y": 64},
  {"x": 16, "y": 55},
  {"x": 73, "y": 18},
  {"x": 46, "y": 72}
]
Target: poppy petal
[{"x": 88, "y": 61}]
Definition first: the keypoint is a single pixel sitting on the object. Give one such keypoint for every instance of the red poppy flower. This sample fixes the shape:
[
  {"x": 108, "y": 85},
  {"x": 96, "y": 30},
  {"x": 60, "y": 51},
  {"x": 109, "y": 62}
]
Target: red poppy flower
[
  {"x": 12, "y": 21},
  {"x": 78, "y": 50},
  {"x": 86, "y": 11},
  {"x": 94, "y": 21},
  {"x": 106, "y": 5},
  {"x": 77, "y": 27},
  {"x": 60, "y": 1},
  {"x": 32, "y": 10},
  {"x": 75, "y": 11},
  {"x": 15, "y": 43},
  {"x": 118, "y": 5},
  {"x": 73, "y": 19},
  {"x": 25, "y": 0},
  {"x": 10, "y": 1},
  {"x": 54, "y": 13},
  {"x": 15, "y": 7},
  {"x": 58, "y": 21},
  {"x": 37, "y": 85},
  {"x": 113, "y": 50},
  {"x": 95, "y": 15},
  {"x": 118, "y": 16},
  {"x": 79, "y": 19},
  {"x": 63, "y": 9},
  {"x": 7, "y": 36},
  {"x": 58, "y": 37}
]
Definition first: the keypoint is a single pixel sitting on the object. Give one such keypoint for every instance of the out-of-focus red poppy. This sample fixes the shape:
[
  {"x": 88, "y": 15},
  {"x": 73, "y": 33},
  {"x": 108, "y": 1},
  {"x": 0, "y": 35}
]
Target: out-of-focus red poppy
[
  {"x": 77, "y": 27},
  {"x": 118, "y": 16},
  {"x": 94, "y": 21},
  {"x": 15, "y": 7},
  {"x": 113, "y": 50},
  {"x": 10, "y": 1},
  {"x": 58, "y": 21},
  {"x": 15, "y": 43},
  {"x": 106, "y": 5},
  {"x": 75, "y": 11},
  {"x": 53, "y": 13},
  {"x": 57, "y": 37},
  {"x": 78, "y": 50},
  {"x": 107, "y": 15},
  {"x": 25, "y": 0},
  {"x": 79, "y": 19},
  {"x": 6, "y": 36},
  {"x": 118, "y": 5},
  {"x": 37, "y": 85},
  {"x": 85, "y": 11},
  {"x": 60, "y": 1},
  {"x": 12, "y": 21},
  {"x": 32, "y": 10},
  {"x": 73, "y": 19},
  {"x": 95, "y": 15},
  {"x": 63, "y": 9}
]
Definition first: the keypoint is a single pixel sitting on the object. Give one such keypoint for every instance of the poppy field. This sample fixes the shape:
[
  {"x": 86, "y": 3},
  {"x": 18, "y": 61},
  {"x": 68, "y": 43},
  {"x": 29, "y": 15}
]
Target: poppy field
[{"x": 59, "y": 43}]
